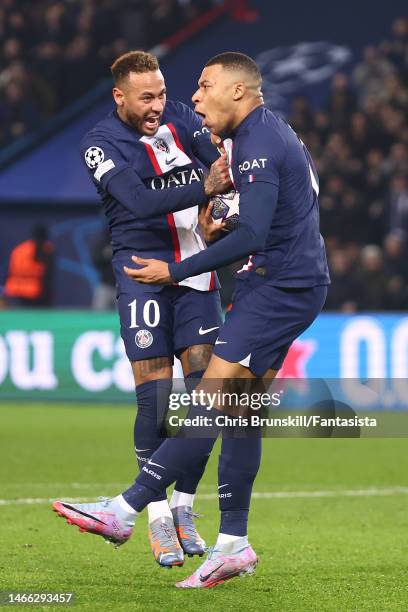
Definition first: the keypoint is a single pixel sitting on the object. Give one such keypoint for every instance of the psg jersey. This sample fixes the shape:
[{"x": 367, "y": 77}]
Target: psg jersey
[{"x": 170, "y": 160}]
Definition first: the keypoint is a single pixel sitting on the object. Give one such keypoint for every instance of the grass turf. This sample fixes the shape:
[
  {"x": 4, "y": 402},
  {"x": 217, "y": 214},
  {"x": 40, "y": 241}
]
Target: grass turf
[{"x": 316, "y": 553}]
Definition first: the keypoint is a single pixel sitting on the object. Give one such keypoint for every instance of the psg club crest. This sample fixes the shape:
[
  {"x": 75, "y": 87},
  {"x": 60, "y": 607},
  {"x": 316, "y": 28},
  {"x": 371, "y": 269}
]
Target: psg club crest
[
  {"x": 143, "y": 338},
  {"x": 93, "y": 157},
  {"x": 161, "y": 145}
]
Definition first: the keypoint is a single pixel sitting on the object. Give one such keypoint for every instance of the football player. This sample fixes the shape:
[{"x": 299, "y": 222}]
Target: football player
[{"x": 146, "y": 160}]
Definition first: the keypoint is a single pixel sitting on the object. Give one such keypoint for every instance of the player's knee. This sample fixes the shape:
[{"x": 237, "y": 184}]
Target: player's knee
[
  {"x": 150, "y": 370},
  {"x": 196, "y": 358}
]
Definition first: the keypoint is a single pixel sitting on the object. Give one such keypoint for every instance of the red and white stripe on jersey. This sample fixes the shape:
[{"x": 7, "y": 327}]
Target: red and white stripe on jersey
[
  {"x": 165, "y": 149},
  {"x": 228, "y": 146},
  {"x": 166, "y": 152}
]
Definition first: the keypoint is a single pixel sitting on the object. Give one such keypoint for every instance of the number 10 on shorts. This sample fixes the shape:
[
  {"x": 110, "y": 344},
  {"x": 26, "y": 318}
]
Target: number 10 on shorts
[{"x": 151, "y": 314}]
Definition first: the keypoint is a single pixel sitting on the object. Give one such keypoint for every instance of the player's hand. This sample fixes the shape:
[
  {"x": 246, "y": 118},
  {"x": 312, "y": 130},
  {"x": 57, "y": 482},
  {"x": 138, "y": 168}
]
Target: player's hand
[
  {"x": 210, "y": 230},
  {"x": 219, "y": 179},
  {"x": 153, "y": 271},
  {"x": 217, "y": 142}
]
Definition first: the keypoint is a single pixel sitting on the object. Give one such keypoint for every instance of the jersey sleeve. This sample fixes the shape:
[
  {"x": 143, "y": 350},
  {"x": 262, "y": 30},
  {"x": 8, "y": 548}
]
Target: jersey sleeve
[
  {"x": 108, "y": 168},
  {"x": 102, "y": 159},
  {"x": 199, "y": 136},
  {"x": 257, "y": 204},
  {"x": 259, "y": 157}
]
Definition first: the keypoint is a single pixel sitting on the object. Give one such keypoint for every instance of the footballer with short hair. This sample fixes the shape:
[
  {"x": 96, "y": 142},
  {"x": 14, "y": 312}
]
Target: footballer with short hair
[{"x": 142, "y": 159}]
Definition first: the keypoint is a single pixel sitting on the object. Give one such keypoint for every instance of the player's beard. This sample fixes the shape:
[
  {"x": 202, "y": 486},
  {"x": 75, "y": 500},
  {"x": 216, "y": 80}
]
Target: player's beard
[{"x": 141, "y": 124}]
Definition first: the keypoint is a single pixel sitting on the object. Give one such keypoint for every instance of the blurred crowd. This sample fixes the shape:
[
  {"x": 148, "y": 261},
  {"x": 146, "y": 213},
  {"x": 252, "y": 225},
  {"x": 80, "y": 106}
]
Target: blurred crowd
[
  {"x": 52, "y": 51},
  {"x": 359, "y": 141}
]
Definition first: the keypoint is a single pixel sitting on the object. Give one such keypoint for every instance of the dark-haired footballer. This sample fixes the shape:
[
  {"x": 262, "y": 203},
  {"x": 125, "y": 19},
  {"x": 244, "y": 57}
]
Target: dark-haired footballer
[
  {"x": 146, "y": 161},
  {"x": 280, "y": 291}
]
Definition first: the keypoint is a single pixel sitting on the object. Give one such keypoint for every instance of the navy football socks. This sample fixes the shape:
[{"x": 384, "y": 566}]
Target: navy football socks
[
  {"x": 152, "y": 406},
  {"x": 149, "y": 432},
  {"x": 188, "y": 483},
  {"x": 174, "y": 458},
  {"x": 238, "y": 466}
]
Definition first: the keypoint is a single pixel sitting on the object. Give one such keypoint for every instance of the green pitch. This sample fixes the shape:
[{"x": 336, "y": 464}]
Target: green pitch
[{"x": 337, "y": 543}]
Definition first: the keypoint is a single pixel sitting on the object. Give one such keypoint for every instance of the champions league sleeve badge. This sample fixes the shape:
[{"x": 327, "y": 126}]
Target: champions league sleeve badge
[{"x": 93, "y": 157}]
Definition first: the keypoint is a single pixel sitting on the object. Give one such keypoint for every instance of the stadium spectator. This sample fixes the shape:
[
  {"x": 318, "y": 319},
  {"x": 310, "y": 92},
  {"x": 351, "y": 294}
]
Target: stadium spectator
[
  {"x": 302, "y": 114},
  {"x": 374, "y": 280},
  {"x": 397, "y": 204},
  {"x": 30, "y": 276},
  {"x": 395, "y": 256},
  {"x": 341, "y": 102},
  {"x": 376, "y": 174},
  {"x": 345, "y": 290},
  {"x": 370, "y": 75},
  {"x": 396, "y": 49}
]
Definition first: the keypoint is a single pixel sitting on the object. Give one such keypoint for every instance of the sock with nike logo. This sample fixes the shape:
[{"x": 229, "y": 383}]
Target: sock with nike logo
[
  {"x": 238, "y": 466},
  {"x": 174, "y": 458},
  {"x": 152, "y": 405}
]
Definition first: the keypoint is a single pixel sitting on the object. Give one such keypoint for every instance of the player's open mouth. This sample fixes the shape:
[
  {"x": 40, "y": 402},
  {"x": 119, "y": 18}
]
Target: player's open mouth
[{"x": 152, "y": 122}]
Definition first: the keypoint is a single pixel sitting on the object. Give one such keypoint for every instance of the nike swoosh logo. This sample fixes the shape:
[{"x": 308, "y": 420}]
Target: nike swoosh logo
[
  {"x": 94, "y": 518},
  {"x": 142, "y": 450},
  {"x": 221, "y": 486},
  {"x": 170, "y": 161},
  {"x": 157, "y": 465},
  {"x": 202, "y": 331},
  {"x": 204, "y": 578},
  {"x": 220, "y": 342}
]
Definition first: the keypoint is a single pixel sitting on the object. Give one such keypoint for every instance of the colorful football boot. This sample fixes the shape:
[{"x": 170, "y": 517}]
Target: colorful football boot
[
  {"x": 164, "y": 543},
  {"x": 190, "y": 540},
  {"x": 219, "y": 568},
  {"x": 105, "y": 518}
]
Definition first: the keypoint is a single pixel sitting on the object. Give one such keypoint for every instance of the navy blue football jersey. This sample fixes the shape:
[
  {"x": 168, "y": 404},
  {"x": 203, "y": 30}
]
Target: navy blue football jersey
[
  {"x": 279, "y": 211},
  {"x": 122, "y": 162}
]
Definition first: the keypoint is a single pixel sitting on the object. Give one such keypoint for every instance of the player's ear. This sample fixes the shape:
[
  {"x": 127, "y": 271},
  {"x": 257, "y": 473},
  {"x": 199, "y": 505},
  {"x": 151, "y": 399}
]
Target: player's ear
[
  {"x": 239, "y": 91},
  {"x": 118, "y": 96}
]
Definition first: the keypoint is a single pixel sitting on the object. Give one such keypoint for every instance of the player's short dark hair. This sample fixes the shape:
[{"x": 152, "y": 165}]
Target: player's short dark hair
[
  {"x": 232, "y": 60},
  {"x": 134, "y": 61}
]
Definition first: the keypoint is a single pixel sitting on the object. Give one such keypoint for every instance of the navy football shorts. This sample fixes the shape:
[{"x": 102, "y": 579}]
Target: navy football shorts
[
  {"x": 264, "y": 321},
  {"x": 162, "y": 321}
]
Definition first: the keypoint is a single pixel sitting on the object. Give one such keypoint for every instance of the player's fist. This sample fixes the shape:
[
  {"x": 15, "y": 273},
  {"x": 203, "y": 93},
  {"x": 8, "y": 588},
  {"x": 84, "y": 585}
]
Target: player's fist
[{"x": 210, "y": 230}]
